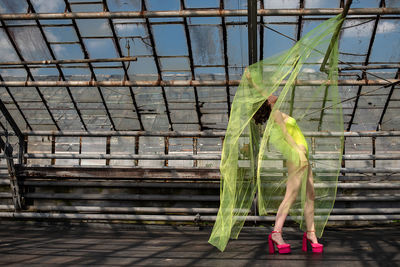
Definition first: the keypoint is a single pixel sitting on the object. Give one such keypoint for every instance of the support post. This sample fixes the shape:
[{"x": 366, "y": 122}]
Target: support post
[
  {"x": 17, "y": 198},
  {"x": 252, "y": 30}
]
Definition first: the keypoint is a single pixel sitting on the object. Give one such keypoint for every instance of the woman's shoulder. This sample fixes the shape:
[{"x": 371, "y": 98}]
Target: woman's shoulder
[{"x": 288, "y": 119}]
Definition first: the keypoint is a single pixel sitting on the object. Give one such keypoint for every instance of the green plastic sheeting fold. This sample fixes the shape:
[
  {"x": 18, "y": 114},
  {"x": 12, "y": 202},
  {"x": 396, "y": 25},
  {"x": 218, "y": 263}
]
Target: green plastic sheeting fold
[{"x": 249, "y": 165}]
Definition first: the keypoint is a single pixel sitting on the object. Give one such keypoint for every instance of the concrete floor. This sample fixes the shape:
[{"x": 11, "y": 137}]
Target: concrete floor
[{"x": 51, "y": 245}]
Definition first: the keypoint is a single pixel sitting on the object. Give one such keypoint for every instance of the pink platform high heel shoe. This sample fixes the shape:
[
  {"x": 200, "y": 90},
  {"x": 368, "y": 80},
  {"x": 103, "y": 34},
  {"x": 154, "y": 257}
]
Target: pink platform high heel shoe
[
  {"x": 282, "y": 249},
  {"x": 316, "y": 247}
]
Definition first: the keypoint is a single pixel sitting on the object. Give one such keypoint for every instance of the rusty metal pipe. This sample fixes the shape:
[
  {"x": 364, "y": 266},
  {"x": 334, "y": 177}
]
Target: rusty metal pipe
[
  {"x": 199, "y": 13},
  {"x": 183, "y": 83}
]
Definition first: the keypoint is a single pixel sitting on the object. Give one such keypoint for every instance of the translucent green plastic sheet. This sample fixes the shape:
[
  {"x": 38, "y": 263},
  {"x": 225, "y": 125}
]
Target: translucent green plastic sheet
[{"x": 254, "y": 155}]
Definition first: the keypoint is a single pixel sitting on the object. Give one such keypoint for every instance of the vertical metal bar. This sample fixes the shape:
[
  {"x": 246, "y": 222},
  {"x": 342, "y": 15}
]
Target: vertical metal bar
[
  {"x": 252, "y": 30},
  {"x": 86, "y": 55},
  {"x": 53, "y": 148},
  {"x": 137, "y": 149},
  {"x": 261, "y": 57},
  {"x": 32, "y": 9},
  {"x": 166, "y": 149},
  {"x": 108, "y": 148},
  {"x": 190, "y": 53},
  {"x": 28, "y": 71},
  {"x": 22, "y": 149},
  {"x": 119, "y": 50},
  {"x": 226, "y": 62},
  {"x": 80, "y": 150},
  {"x": 373, "y": 152},
  {"x": 195, "y": 141},
  {"x": 157, "y": 62},
  {"x": 14, "y": 185}
]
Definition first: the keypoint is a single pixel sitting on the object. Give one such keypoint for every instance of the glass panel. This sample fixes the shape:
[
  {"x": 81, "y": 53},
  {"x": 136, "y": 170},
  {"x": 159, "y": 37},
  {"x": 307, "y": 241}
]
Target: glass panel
[
  {"x": 87, "y": 8},
  {"x": 138, "y": 46},
  {"x": 143, "y": 68},
  {"x": 100, "y": 48},
  {"x": 12, "y": 6},
  {"x": 281, "y": 4},
  {"x": 12, "y": 108},
  {"x": 120, "y": 105},
  {"x": 92, "y": 108},
  {"x": 122, "y": 145},
  {"x": 387, "y": 42},
  {"x": 118, "y": 5},
  {"x": 94, "y": 27},
  {"x": 170, "y": 40},
  {"x": 321, "y": 4},
  {"x": 355, "y": 40},
  {"x": 176, "y": 63},
  {"x": 237, "y": 50},
  {"x": 67, "y": 51},
  {"x": 7, "y": 51},
  {"x": 60, "y": 34},
  {"x": 45, "y": 6},
  {"x": 161, "y": 5},
  {"x": 206, "y": 45},
  {"x": 30, "y": 42},
  {"x": 68, "y": 145},
  {"x": 275, "y": 43},
  {"x": 94, "y": 146},
  {"x": 202, "y": 4},
  {"x": 33, "y": 108}
]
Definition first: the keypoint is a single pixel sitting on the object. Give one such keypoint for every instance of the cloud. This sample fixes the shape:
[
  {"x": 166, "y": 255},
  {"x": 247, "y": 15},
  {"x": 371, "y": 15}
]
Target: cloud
[
  {"x": 7, "y": 51},
  {"x": 43, "y": 6},
  {"x": 387, "y": 27},
  {"x": 363, "y": 30}
]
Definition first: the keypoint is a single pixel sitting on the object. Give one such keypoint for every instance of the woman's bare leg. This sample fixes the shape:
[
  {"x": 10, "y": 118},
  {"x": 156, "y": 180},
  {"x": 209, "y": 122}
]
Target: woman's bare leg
[
  {"x": 309, "y": 207},
  {"x": 292, "y": 188}
]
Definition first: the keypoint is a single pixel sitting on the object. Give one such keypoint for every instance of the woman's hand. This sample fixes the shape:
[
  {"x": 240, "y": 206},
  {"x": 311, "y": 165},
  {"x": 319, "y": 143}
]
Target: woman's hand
[
  {"x": 303, "y": 158},
  {"x": 245, "y": 150}
]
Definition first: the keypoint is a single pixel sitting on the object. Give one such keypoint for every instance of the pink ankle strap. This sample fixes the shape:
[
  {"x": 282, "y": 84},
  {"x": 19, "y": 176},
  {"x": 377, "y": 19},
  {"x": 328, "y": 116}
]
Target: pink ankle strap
[{"x": 276, "y": 232}]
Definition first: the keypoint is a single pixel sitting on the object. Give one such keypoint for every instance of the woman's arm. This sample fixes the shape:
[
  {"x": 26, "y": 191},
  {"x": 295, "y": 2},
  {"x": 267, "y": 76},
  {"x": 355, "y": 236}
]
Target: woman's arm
[{"x": 252, "y": 83}]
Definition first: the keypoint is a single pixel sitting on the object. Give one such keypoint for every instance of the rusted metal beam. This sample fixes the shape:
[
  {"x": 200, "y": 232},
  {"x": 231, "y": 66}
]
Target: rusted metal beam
[
  {"x": 68, "y": 61},
  {"x": 199, "y": 13},
  {"x": 185, "y": 83},
  {"x": 371, "y": 67},
  {"x": 167, "y": 156},
  {"x": 119, "y": 50},
  {"x": 207, "y": 133},
  {"x": 190, "y": 53}
]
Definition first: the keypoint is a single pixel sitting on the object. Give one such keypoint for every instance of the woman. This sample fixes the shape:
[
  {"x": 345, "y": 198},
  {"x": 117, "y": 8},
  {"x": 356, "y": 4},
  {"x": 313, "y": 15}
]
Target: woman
[
  {"x": 254, "y": 174},
  {"x": 296, "y": 172}
]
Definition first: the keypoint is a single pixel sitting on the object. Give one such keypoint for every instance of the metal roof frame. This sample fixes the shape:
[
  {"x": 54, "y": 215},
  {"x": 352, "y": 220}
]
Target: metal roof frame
[{"x": 229, "y": 82}]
